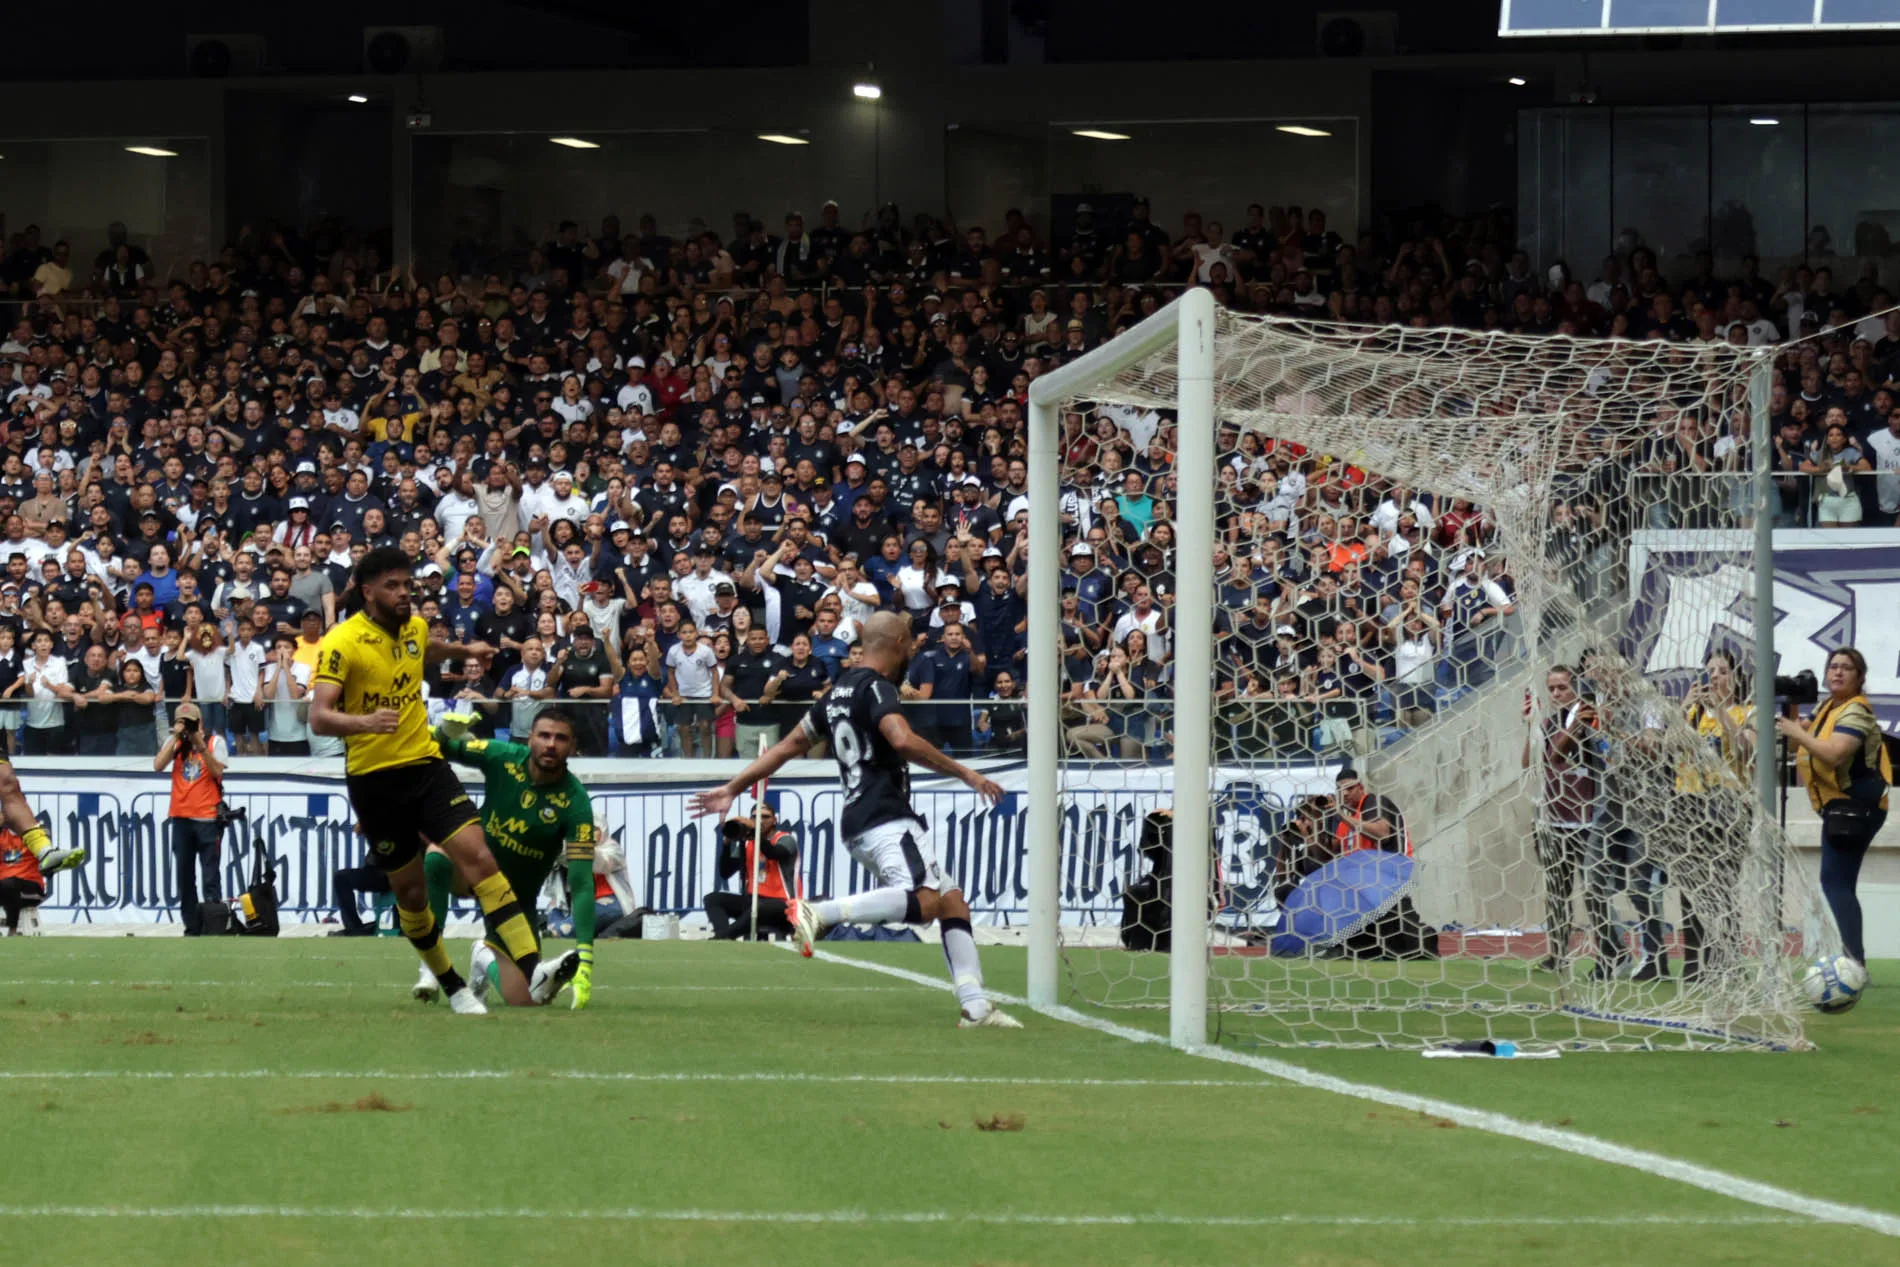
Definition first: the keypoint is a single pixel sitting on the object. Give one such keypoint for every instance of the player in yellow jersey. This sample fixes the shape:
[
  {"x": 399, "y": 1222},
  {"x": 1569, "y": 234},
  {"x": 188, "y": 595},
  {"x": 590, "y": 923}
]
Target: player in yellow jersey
[{"x": 368, "y": 691}]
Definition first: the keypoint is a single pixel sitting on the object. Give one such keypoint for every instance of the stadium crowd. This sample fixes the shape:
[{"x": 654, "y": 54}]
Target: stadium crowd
[{"x": 665, "y": 478}]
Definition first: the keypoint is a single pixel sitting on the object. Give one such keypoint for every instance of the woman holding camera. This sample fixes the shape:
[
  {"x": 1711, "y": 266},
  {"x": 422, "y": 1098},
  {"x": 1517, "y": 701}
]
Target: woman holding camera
[{"x": 1842, "y": 761}]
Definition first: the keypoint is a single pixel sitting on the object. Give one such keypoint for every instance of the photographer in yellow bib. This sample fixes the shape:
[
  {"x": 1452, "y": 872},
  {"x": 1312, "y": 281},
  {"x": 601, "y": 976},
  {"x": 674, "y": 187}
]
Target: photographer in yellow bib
[
  {"x": 1712, "y": 793},
  {"x": 1842, "y": 760}
]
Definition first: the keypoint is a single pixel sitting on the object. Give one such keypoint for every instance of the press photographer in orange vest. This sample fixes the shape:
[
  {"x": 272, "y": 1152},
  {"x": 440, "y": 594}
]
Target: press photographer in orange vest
[
  {"x": 741, "y": 843},
  {"x": 196, "y": 761}
]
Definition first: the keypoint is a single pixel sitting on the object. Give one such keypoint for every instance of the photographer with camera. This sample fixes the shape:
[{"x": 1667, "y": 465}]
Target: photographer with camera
[
  {"x": 1842, "y": 760},
  {"x": 196, "y": 761},
  {"x": 774, "y": 875}
]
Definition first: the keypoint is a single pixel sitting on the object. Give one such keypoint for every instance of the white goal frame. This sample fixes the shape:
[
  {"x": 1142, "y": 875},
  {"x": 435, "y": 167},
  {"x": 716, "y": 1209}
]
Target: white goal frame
[{"x": 1188, "y": 326}]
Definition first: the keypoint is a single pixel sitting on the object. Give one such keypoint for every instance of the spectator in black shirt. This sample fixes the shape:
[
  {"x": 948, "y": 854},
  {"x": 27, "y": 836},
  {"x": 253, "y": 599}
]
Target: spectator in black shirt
[
  {"x": 286, "y": 612},
  {"x": 752, "y": 679},
  {"x": 943, "y": 673},
  {"x": 587, "y": 675}
]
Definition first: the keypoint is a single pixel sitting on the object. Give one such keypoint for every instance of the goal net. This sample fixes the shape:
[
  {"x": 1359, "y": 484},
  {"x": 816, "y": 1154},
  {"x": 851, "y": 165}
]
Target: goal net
[{"x": 1458, "y": 732}]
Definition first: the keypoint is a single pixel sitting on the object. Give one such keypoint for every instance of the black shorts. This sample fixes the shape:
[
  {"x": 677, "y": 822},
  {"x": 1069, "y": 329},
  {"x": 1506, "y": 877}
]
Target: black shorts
[
  {"x": 247, "y": 719},
  {"x": 399, "y": 807}
]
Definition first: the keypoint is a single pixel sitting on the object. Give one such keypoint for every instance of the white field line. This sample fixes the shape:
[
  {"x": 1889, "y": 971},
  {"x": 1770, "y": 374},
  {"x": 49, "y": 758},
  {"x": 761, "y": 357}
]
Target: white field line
[
  {"x": 1000, "y": 1218},
  {"x": 107, "y": 982},
  {"x": 1720, "y": 1182},
  {"x": 609, "y": 1076}
]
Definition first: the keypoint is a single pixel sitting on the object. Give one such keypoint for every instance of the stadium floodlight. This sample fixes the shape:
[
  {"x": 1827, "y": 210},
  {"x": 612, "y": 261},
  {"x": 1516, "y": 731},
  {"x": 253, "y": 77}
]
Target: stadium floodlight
[
  {"x": 1765, "y": 121},
  {"x": 868, "y": 91},
  {"x": 1301, "y": 129},
  {"x": 781, "y": 138},
  {"x": 357, "y": 99},
  {"x": 1517, "y": 81},
  {"x": 1468, "y": 922},
  {"x": 1097, "y": 134},
  {"x": 574, "y": 143},
  {"x": 151, "y": 151}
]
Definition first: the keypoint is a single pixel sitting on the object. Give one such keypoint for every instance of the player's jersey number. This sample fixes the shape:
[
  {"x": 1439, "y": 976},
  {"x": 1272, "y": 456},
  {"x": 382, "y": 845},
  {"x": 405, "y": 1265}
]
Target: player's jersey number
[{"x": 850, "y": 754}]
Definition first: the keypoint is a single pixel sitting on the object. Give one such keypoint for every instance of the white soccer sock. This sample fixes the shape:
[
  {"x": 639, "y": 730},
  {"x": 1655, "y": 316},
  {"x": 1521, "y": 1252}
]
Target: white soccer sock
[
  {"x": 879, "y": 906},
  {"x": 966, "y": 973}
]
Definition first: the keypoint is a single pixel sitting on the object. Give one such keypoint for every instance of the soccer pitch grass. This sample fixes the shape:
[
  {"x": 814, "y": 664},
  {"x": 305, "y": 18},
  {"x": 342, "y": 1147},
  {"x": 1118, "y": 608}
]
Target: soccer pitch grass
[{"x": 286, "y": 1102}]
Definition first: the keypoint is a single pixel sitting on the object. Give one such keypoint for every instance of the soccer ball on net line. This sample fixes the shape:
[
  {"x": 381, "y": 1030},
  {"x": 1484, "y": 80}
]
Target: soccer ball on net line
[{"x": 1834, "y": 983}]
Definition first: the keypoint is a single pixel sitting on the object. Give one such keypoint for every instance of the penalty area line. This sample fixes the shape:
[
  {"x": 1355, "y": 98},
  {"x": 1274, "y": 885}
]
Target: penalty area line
[
  {"x": 999, "y": 1218},
  {"x": 614, "y": 1075},
  {"x": 1707, "y": 1178}
]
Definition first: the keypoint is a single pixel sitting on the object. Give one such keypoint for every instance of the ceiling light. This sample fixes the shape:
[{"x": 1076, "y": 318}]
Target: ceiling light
[
  {"x": 1096, "y": 134},
  {"x": 151, "y": 151},
  {"x": 1765, "y": 121},
  {"x": 1517, "y": 81},
  {"x": 1300, "y": 129},
  {"x": 870, "y": 92},
  {"x": 575, "y": 143},
  {"x": 357, "y": 98},
  {"x": 779, "y": 138}
]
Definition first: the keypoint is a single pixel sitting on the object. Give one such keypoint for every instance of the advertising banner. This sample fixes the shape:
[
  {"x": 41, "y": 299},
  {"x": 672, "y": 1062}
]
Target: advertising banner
[
  {"x": 303, "y": 815},
  {"x": 1833, "y": 588}
]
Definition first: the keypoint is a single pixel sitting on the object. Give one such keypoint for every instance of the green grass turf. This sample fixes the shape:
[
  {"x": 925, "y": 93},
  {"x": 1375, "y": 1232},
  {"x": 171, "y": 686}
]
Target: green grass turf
[{"x": 1405, "y": 1189}]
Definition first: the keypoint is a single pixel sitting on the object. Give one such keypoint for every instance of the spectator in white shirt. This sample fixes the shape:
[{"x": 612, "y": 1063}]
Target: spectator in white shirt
[
  {"x": 636, "y": 397},
  {"x": 457, "y": 507},
  {"x": 696, "y": 588},
  {"x": 529, "y": 686},
  {"x": 44, "y": 682},
  {"x": 571, "y": 404},
  {"x": 692, "y": 679},
  {"x": 1884, "y": 448},
  {"x": 563, "y": 502}
]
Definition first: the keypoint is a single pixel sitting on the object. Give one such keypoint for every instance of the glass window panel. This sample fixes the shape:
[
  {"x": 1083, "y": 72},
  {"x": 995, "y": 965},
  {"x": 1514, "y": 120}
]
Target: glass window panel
[
  {"x": 1661, "y": 182},
  {"x": 73, "y": 190},
  {"x": 1853, "y": 191},
  {"x": 1586, "y": 191},
  {"x": 1756, "y": 185},
  {"x": 1215, "y": 169},
  {"x": 1634, "y": 14},
  {"x": 1835, "y": 12},
  {"x": 1764, "y": 13},
  {"x": 482, "y": 202},
  {"x": 1556, "y": 15}
]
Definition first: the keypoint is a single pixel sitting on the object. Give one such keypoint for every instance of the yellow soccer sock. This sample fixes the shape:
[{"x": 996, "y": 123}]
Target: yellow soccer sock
[
  {"x": 37, "y": 841},
  {"x": 420, "y": 928},
  {"x": 507, "y": 921}
]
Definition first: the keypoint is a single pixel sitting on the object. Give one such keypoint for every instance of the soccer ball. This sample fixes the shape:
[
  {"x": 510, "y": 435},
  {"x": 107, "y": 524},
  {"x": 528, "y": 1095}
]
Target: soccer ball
[{"x": 1834, "y": 983}]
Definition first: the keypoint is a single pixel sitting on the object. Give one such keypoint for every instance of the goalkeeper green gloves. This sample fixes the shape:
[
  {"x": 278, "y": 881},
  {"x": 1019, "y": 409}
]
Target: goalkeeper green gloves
[{"x": 584, "y": 979}]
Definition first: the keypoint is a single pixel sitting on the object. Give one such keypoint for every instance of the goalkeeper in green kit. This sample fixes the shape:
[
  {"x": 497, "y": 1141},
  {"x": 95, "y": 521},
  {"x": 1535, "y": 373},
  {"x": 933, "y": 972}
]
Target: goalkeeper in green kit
[{"x": 535, "y": 812}]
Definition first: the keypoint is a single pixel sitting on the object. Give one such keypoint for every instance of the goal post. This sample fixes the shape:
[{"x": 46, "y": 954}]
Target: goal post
[
  {"x": 1676, "y": 567},
  {"x": 1185, "y": 327}
]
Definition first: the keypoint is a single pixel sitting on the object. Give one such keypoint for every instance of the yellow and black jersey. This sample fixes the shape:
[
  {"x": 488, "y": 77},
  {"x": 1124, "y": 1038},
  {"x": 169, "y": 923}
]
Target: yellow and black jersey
[{"x": 376, "y": 671}]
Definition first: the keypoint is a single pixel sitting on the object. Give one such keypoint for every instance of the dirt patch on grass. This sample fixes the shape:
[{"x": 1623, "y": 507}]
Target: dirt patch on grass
[
  {"x": 1002, "y": 1122},
  {"x": 371, "y": 1103},
  {"x": 148, "y": 1039}
]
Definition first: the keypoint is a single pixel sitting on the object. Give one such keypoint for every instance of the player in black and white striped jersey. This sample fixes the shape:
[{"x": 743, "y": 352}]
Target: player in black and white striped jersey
[{"x": 873, "y": 745}]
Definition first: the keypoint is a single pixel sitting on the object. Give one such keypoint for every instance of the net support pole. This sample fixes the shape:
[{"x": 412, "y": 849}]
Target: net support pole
[
  {"x": 1193, "y": 620},
  {"x": 1762, "y": 448},
  {"x": 1043, "y": 856}
]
